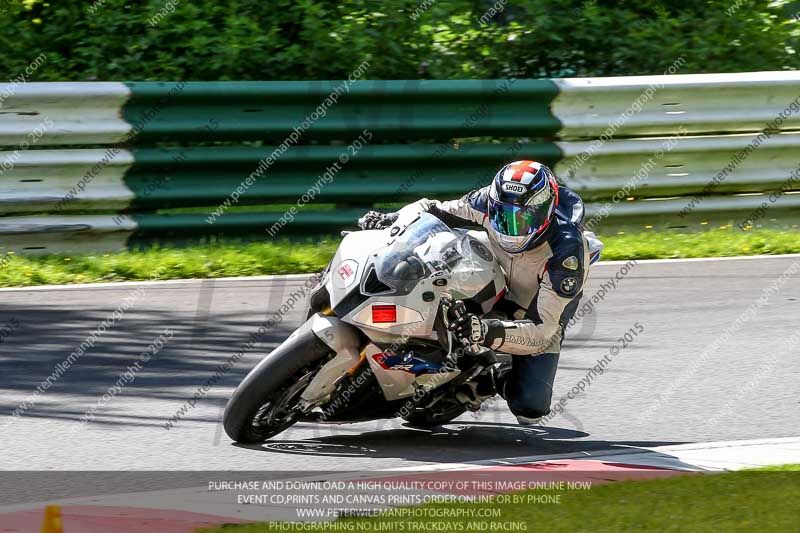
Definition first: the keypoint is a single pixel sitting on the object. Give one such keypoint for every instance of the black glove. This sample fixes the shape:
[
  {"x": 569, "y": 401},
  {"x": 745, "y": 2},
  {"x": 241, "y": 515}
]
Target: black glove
[
  {"x": 467, "y": 327},
  {"x": 377, "y": 220}
]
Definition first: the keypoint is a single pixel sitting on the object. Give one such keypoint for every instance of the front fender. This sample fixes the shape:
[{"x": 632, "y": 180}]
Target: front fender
[{"x": 343, "y": 339}]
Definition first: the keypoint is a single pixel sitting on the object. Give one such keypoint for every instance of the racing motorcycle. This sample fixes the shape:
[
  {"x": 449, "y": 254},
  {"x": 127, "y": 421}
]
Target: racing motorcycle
[{"x": 376, "y": 342}]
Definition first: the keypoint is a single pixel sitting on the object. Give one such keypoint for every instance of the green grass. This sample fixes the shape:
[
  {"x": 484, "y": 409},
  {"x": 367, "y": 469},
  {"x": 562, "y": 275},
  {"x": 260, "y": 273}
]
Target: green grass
[
  {"x": 718, "y": 242},
  {"x": 763, "y": 501},
  {"x": 778, "y": 468},
  {"x": 211, "y": 261},
  {"x": 299, "y": 256}
]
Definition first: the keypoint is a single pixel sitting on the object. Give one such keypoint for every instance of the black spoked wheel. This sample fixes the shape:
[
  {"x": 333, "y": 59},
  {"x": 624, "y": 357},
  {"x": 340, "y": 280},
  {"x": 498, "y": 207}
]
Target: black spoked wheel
[
  {"x": 278, "y": 413},
  {"x": 266, "y": 402}
]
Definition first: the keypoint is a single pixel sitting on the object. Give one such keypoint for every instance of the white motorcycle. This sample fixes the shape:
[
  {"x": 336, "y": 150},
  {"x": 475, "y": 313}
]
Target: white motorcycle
[{"x": 376, "y": 343}]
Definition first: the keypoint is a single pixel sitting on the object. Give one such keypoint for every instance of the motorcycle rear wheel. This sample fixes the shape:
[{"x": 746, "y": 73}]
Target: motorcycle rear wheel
[{"x": 438, "y": 415}]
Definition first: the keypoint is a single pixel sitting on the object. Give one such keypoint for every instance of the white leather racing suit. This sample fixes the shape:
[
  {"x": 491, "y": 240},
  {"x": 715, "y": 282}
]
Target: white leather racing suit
[{"x": 544, "y": 283}]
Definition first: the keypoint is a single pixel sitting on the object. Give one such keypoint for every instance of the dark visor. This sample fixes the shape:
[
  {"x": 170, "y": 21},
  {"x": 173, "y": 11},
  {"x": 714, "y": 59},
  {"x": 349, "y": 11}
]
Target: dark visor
[{"x": 515, "y": 221}]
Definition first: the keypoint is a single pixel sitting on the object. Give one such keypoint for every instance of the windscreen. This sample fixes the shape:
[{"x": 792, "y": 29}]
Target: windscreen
[{"x": 425, "y": 247}]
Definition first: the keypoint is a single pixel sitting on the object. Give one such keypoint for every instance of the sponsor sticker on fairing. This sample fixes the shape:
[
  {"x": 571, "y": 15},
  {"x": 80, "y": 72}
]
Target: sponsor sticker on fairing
[{"x": 344, "y": 274}]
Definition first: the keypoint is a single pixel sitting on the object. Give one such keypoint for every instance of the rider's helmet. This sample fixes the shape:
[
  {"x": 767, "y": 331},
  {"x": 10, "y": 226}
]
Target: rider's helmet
[{"x": 522, "y": 201}]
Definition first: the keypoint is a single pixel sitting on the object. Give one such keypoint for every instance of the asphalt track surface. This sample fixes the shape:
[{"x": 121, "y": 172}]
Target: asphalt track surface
[{"x": 671, "y": 385}]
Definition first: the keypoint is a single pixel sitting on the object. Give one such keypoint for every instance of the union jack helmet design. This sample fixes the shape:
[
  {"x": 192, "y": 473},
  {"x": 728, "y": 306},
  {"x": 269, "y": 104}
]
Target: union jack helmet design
[{"x": 522, "y": 199}]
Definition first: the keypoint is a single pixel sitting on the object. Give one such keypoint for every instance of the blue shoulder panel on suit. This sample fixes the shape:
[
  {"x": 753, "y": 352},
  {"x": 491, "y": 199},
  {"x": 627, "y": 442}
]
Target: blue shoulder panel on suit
[
  {"x": 566, "y": 267},
  {"x": 570, "y": 205}
]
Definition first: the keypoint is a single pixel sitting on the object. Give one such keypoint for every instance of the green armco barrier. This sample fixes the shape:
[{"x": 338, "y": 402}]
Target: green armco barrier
[
  {"x": 98, "y": 166},
  {"x": 166, "y": 178},
  {"x": 141, "y": 113},
  {"x": 341, "y": 109},
  {"x": 192, "y": 226}
]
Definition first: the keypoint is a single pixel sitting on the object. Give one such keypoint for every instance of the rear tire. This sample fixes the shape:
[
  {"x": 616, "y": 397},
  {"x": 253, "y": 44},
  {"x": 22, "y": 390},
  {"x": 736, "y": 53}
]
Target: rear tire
[
  {"x": 429, "y": 418},
  {"x": 263, "y": 404}
]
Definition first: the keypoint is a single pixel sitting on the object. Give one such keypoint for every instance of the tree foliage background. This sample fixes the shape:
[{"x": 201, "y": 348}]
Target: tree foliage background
[{"x": 401, "y": 39}]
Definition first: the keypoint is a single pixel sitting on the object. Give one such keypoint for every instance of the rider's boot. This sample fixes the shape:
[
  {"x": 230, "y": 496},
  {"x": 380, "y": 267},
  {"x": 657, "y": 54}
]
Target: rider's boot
[
  {"x": 472, "y": 394},
  {"x": 494, "y": 383},
  {"x": 525, "y": 421},
  {"x": 468, "y": 396}
]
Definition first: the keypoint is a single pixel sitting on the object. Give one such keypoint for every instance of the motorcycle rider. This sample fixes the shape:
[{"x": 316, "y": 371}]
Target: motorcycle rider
[{"x": 535, "y": 230}]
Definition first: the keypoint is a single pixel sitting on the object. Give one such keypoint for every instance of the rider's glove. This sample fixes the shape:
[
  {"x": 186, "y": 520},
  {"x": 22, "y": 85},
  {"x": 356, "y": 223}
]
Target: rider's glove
[
  {"x": 376, "y": 220},
  {"x": 466, "y": 326}
]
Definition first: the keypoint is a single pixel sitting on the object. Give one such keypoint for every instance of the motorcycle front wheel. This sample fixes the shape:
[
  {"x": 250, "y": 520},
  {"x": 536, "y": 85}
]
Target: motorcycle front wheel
[{"x": 264, "y": 403}]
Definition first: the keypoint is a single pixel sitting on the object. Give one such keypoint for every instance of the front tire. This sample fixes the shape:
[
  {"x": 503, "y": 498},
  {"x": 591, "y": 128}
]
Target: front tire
[{"x": 264, "y": 403}]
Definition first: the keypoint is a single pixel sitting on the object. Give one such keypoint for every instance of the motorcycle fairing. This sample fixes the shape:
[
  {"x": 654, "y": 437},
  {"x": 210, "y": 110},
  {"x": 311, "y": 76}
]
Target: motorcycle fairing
[
  {"x": 410, "y": 267},
  {"x": 395, "y": 379}
]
